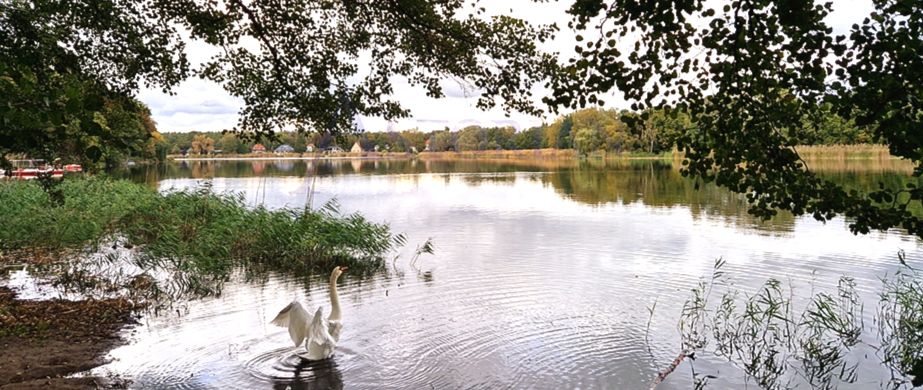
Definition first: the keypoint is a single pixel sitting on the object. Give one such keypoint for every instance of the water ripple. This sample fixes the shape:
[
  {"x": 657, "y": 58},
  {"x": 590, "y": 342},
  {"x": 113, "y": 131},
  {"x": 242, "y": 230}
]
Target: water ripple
[{"x": 530, "y": 291}]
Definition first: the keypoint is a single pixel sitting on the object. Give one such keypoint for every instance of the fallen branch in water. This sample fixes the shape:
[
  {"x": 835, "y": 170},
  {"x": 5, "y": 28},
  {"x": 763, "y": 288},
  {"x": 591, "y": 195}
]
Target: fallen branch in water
[{"x": 667, "y": 371}]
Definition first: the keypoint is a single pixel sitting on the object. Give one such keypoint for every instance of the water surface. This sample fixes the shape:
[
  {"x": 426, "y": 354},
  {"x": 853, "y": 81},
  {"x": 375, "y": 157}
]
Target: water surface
[{"x": 542, "y": 276}]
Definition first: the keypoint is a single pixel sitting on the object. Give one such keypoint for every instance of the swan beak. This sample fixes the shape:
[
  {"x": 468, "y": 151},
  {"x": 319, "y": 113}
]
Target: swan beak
[{"x": 343, "y": 269}]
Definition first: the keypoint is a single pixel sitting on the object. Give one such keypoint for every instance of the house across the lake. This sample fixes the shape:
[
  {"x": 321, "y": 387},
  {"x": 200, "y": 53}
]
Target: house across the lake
[
  {"x": 284, "y": 148},
  {"x": 310, "y": 148},
  {"x": 356, "y": 148},
  {"x": 258, "y": 148}
]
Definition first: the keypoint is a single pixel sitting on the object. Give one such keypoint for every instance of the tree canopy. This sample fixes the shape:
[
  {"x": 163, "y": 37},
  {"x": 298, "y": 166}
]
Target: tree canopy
[
  {"x": 298, "y": 65},
  {"x": 67, "y": 74},
  {"x": 747, "y": 72}
]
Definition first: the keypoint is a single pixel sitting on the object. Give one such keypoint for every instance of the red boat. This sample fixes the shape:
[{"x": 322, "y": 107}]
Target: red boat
[{"x": 33, "y": 173}]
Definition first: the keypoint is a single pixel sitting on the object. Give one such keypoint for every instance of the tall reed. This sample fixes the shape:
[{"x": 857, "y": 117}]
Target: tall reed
[
  {"x": 778, "y": 347},
  {"x": 844, "y": 152},
  {"x": 196, "y": 230}
]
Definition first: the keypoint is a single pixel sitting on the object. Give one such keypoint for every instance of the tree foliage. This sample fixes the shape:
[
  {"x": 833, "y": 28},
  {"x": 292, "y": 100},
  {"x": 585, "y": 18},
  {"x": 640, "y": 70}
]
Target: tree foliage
[
  {"x": 302, "y": 65},
  {"x": 202, "y": 144},
  {"x": 66, "y": 70},
  {"x": 746, "y": 72}
]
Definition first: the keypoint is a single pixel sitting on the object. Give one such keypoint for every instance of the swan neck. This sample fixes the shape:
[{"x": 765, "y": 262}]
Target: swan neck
[{"x": 334, "y": 301}]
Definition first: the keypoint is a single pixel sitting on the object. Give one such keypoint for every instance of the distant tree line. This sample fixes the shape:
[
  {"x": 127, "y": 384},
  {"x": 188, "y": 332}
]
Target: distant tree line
[{"x": 588, "y": 130}]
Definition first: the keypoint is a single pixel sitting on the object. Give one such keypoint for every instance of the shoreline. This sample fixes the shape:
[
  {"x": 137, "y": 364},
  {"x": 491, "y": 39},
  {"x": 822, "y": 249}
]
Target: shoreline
[
  {"x": 529, "y": 154},
  {"x": 863, "y": 152},
  {"x": 277, "y": 158},
  {"x": 49, "y": 343}
]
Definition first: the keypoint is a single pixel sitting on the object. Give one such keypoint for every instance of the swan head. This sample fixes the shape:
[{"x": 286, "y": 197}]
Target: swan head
[{"x": 337, "y": 271}]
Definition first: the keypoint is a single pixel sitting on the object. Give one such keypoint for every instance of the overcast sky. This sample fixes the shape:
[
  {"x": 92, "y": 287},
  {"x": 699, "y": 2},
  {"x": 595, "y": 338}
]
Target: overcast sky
[{"x": 204, "y": 106}]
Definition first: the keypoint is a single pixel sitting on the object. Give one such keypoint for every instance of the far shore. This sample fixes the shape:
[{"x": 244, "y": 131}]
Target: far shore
[
  {"x": 818, "y": 152},
  {"x": 276, "y": 158}
]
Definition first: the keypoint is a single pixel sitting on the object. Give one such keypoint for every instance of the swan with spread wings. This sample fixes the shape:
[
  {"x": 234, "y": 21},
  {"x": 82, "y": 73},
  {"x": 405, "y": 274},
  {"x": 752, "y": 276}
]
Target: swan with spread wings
[{"x": 320, "y": 334}]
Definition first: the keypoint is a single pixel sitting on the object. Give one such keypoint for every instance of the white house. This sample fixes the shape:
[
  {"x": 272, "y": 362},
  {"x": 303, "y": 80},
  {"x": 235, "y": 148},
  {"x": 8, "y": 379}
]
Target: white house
[{"x": 284, "y": 148}]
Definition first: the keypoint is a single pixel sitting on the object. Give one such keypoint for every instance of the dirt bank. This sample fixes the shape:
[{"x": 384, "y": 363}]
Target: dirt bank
[{"x": 43, "y": 341}]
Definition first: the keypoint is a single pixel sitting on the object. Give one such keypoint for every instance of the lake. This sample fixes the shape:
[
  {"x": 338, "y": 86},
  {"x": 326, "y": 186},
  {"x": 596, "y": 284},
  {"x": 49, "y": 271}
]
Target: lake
[{"x": 545, "y": 275}]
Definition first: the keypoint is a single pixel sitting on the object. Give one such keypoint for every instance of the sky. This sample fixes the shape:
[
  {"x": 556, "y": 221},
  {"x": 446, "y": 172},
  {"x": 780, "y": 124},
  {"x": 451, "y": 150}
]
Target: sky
[{"x": 203, "y": 105}]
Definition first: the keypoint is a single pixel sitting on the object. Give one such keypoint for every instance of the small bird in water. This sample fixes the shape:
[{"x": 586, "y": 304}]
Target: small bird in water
[{"x": 320, "y": 334}]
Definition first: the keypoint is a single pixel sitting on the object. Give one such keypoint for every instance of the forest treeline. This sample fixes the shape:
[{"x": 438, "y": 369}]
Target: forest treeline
[{"x": 587, "y": 130}]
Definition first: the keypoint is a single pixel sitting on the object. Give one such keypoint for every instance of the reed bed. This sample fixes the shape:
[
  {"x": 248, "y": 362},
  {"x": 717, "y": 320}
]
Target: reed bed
[
  {"x": 844, "y": 152},
  {"x": 196, "y": 230},
  {"x": 92, "y": 208},
  {"x": 853, "y": 158}
]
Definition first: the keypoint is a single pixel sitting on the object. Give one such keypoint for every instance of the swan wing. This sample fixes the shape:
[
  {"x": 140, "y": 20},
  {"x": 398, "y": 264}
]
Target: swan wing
[
  {"x": 295, "y": 318},
  {"x": 320, "y": 333}
]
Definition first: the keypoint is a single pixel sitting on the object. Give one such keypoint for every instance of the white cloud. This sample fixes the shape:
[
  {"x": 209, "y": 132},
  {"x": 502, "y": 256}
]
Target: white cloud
[{"x": 197, "y": 105}]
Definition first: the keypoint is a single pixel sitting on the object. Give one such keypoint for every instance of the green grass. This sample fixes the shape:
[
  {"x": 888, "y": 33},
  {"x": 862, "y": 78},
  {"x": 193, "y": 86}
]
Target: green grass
[
  {"x": 91, "y": 209},
  {"x": 195, "y": 231}
]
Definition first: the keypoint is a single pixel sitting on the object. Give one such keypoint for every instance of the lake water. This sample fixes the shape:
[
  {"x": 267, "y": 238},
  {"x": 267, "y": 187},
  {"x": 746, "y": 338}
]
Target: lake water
[{"x": 542, "y": 277}]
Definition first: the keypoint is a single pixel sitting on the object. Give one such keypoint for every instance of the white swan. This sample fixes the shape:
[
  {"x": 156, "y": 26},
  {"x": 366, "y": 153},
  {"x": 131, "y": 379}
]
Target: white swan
[{"x": 322, "y": 334}]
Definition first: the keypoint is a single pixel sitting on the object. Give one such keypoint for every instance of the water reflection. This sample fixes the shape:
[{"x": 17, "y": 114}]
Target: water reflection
[
  {"x": 285, "y": 369},
  {"x": 542, "y": 277},
  {"x": 203, "y": 169},
  {"x": 654, "y": 183},
  {"x": 321, "y": 375}
]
